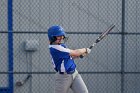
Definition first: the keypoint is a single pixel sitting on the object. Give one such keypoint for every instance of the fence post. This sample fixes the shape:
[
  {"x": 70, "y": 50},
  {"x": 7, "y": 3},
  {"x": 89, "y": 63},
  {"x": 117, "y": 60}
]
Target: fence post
[
  {"x": 123, "y": 46},
  {"x": 10, "y": 46}
]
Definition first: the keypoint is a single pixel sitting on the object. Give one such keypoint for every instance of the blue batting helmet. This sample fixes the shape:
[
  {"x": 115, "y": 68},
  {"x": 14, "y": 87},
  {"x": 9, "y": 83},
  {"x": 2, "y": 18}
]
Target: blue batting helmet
[{"x": 54, "y": 31}]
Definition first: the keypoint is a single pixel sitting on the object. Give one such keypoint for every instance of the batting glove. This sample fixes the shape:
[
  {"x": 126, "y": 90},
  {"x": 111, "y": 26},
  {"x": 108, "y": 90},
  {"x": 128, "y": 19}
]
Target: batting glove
[{"x": 88, "y": 50}]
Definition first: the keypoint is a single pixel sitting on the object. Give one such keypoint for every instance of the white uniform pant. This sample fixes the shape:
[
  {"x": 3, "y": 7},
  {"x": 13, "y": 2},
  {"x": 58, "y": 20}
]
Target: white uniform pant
[{"x": 63, "y": 82}]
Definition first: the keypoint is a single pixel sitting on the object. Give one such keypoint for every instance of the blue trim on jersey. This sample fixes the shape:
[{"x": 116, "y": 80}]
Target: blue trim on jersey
[{"x": 61, "y": 58}]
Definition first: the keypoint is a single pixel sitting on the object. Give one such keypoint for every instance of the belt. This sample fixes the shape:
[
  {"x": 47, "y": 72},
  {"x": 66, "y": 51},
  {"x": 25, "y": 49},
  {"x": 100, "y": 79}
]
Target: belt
[{"x": 71, "y": 72}]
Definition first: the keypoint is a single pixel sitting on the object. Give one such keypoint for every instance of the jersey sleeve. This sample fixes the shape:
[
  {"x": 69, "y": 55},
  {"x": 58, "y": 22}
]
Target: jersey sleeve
[{"x": 61, "y": 51}]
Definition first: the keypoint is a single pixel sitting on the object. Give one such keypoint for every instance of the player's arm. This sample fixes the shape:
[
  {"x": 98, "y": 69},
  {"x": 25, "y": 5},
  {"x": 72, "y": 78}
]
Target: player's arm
[{"x": 78, "y": 52}]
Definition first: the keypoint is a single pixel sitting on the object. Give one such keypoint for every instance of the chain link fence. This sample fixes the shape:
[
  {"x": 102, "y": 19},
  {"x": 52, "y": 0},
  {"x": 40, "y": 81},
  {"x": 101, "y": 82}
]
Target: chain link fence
[{"x": 112, "y": 66}]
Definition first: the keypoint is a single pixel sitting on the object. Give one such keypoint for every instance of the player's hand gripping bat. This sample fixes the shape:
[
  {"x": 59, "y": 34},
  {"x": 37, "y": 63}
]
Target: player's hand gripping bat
[{"x": 104, "y": 34}]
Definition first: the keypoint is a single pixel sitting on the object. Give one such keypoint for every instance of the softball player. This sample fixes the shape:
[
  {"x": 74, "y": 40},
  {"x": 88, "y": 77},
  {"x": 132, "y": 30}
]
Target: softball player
[{"x": 63, "y": 61}]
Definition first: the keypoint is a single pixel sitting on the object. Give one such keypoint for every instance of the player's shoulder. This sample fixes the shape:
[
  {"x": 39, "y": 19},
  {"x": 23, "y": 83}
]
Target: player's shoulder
[
  {"x": 59, "y": 47},
  {"x": 55, "y": 46}
]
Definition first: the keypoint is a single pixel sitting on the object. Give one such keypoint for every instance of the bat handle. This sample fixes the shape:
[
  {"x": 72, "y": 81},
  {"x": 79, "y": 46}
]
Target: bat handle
[
  {"x": 90, "y": 47},
  {"x": 81, "y": 56}
]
